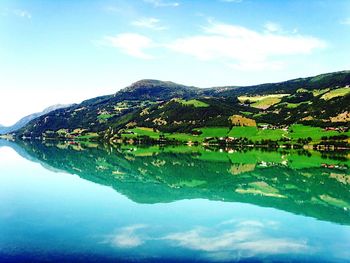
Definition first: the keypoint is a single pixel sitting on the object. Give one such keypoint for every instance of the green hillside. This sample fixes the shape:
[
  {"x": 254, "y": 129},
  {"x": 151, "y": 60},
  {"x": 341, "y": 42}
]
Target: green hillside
[{"x": 171, "y": 109}]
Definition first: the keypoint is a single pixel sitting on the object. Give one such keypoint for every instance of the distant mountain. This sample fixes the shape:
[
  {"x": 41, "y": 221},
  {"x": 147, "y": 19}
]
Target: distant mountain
[
  {"x": 25, "y": 120},
  {"x": 322, "y": 100}
]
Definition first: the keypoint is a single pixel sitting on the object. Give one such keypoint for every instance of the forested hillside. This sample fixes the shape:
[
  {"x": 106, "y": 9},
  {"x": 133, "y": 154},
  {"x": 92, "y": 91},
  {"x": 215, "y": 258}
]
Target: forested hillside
[{"x": 321, "y": 101}]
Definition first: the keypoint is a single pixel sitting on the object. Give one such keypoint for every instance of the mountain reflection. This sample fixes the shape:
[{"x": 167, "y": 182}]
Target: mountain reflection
[{"x": 295, "y": 181}]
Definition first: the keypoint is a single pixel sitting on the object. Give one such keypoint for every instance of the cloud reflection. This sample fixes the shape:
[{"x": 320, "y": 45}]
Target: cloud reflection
[
  {"x": 241, "y": 239},
  {"x": 127, "y": 237},
  {"x": 228, "y": 240}
]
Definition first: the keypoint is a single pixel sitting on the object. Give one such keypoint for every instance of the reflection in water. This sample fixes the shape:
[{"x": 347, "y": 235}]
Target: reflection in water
[
  {"x": 225, "y": 241},
  {"x": 247, "y": 237},
  {"x": 307, "y": 185},
  {"x": 298, "y": 182}
]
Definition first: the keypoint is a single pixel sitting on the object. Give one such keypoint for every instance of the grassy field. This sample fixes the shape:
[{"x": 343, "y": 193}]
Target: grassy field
[
  {"x": 293, "y": 105},
  {"x": 256, "y": 134},
  {"x": 336, "y": 93},
  {"x": 246, "y": 113},
  {"x": 144, "y": 131},
  {"x": 319, "y": 92},
  {"x": 297, "y": 131},
  {"x": 195, "y": 103},
  {"x": 104, "y": 116},
  {"x": 258, "y": 98},
  {"x": 206, "y": 132},
  {"x": 243, "y": 132},
  {"x": 263, "y": 102},
  {"x": 214, "y": 132},
  {"x": 184, "y": 137}
]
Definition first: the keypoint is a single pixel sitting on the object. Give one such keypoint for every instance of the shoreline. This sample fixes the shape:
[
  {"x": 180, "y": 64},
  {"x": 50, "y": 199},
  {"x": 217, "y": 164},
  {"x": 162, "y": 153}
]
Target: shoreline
[{"x": 217, "y": 144}]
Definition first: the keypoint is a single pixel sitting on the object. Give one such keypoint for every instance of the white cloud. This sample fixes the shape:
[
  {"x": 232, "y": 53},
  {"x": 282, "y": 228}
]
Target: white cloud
[
  {"x": 161, "y": 3},
  {"x": 272, "y": 27},
  {"x": 241, "y": 46},
  {"x": 235, "y": 46},
  {"x": 127, "y": 237},
  {"x": 151, "y": 23},
  {"x": 132, "y": 44}
]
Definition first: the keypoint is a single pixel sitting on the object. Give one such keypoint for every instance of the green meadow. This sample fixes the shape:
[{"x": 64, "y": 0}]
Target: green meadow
[
  {"x": 195, "y": 103},
  {"x": 254, "y": 134},
  {"x": 336, "y": 93}
]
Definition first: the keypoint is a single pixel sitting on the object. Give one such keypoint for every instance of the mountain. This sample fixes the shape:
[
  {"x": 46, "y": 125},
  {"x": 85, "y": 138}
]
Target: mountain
[
  {"x": 149, "y": 89},
  {"x": 319, "y": 82},
  {"x": 165, "y": 106},
  {"x": 25, "y": 120}
]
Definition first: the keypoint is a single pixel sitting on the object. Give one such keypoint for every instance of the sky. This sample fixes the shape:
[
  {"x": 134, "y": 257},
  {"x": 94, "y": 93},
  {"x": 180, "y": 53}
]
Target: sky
[{"x": 58, "y": 52}]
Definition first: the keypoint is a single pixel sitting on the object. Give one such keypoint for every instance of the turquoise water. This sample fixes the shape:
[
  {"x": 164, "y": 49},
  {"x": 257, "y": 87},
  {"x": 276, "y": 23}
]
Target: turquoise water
[{"x": 87, "y": 204}]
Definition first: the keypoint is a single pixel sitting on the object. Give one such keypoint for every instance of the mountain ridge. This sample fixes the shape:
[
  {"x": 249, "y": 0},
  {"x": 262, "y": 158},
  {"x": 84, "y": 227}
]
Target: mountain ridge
[
  {"x": 171, "y": 107},
  {"x": 25, "y": 120}
]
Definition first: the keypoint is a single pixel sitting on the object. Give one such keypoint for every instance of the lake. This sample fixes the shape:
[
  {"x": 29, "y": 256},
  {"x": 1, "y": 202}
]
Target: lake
[{"x": 87, "y": 202}]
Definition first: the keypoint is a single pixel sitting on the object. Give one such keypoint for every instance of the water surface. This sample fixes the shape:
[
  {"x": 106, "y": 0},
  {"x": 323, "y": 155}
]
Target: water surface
[{"x": 73, "y": 202}]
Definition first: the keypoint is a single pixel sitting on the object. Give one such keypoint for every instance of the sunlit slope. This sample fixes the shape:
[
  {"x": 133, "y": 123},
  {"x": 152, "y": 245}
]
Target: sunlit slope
[{"x": 322, "y": 101}]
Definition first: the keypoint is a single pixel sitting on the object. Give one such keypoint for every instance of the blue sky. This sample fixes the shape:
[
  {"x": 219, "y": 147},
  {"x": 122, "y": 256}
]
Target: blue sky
[{"x": 66, "y": 51}]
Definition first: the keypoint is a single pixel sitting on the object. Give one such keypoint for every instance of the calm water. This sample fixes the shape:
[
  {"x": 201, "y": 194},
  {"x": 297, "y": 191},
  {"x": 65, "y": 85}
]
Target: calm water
[{"x": 92, "y": 203}]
